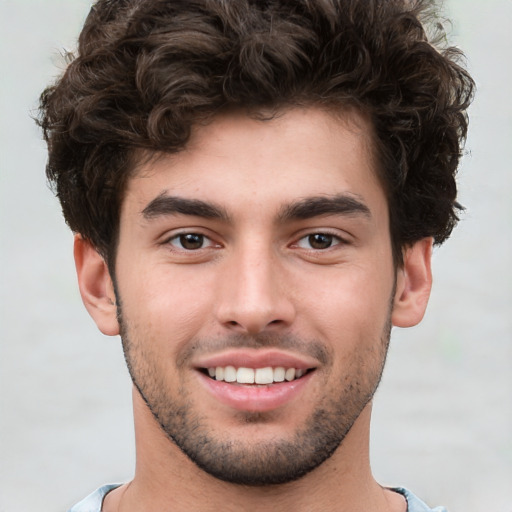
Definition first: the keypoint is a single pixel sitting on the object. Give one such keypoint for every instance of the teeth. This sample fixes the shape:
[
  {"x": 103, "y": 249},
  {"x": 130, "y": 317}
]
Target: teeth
[
  {"x": 265, "y": 375},
  {"x": 290, "y": 374},
  {"x": 230, "y": 374},
  {"x": 245, "y": 375},
  {"x": 279, "y": 374}
]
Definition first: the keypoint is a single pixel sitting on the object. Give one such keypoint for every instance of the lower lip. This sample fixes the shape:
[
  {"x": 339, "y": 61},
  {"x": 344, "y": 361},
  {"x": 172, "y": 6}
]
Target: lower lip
[{"x": 254, "y": 398}]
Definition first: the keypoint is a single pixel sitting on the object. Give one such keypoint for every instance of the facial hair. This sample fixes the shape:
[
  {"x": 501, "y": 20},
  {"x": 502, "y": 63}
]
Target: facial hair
[{"x": 240, "y": 461}]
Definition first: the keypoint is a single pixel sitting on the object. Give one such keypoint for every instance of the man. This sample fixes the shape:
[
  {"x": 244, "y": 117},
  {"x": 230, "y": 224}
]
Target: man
[{"x": 255, "y": 188}]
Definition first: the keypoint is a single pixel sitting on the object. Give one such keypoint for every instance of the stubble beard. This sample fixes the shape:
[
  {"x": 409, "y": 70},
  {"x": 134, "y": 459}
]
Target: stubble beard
[{"x": 277, "y": 461}]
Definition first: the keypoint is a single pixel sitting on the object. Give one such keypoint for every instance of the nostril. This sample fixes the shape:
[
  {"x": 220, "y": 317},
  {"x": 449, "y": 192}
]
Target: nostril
[{"x": 256, "y": 328}]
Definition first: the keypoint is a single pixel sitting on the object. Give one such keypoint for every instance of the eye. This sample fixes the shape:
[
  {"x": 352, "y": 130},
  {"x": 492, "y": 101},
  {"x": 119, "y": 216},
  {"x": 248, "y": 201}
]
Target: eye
[
  {"x": 319, "y": 241},
  {"x": 190, "y": 241}
]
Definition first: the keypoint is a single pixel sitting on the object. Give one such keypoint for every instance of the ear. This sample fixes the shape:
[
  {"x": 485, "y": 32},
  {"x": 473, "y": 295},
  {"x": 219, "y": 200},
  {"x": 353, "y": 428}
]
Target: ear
[
  {"x": 96, "y": 286},
  {"x": 413, "y": 284}
]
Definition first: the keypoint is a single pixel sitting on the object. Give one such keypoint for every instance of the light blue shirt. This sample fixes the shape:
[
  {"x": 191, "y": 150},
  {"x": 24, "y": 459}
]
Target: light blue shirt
[{"x": 94, "y": 501}]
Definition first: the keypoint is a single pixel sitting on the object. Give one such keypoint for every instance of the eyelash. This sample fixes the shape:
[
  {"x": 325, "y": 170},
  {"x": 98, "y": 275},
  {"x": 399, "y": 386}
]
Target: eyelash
[
  {"x": 178, "y": 241},
  {"x": 181, "y": 236},
  {"x": 334, "y": 240}
]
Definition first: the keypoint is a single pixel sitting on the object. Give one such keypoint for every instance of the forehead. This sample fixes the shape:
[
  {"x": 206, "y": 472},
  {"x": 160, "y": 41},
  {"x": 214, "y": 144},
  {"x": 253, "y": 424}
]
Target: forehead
[{"x": 240, "y": 162}]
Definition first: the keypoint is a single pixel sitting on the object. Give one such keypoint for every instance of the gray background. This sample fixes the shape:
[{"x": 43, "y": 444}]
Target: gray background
[{"x": 443, "y": 415}]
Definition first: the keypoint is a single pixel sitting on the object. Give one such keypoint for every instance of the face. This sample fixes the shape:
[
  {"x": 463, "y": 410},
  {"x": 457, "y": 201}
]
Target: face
[{"x": 255, "y": 285}]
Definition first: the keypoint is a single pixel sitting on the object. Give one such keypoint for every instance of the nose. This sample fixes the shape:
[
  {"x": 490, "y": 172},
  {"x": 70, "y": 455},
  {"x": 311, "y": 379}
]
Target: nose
[{"x": 254, "y": 295}]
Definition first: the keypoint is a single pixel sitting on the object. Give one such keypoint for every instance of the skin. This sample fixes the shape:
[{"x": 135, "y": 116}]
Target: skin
[{"x": 252, "y": 284}]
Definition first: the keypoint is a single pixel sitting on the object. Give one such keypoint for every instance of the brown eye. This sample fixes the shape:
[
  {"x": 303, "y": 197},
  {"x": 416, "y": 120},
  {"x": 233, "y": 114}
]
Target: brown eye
[
  {"x": 320, "y": 240},
  {"x": 188, "y": 241}
]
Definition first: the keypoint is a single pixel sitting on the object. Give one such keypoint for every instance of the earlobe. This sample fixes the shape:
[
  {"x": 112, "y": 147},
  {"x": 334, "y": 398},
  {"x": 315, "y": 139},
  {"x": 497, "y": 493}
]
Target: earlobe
[
  {"x": 96, "y": 286},
  {"x": 413, "y": 285}
]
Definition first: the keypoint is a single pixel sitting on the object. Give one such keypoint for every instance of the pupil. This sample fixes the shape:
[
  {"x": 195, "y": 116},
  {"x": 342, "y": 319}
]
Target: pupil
[
  {"x": 191, "y": 241},
  {"x": 320, "y": 241}
]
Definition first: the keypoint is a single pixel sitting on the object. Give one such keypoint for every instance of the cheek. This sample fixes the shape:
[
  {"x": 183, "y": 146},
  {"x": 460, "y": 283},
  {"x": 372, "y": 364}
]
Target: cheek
[
  {"x": 347, "y": 302},
  {"x": 168, "y": 306}
]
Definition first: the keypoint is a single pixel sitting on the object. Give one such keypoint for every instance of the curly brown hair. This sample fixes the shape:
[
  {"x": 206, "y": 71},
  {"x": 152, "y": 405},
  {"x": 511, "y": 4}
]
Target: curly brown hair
[{"x": 146, "y": 71}]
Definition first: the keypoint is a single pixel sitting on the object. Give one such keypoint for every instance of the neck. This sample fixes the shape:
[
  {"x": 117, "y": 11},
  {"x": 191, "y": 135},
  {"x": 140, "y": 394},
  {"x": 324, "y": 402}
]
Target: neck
[{"x": 167, "y": 480}]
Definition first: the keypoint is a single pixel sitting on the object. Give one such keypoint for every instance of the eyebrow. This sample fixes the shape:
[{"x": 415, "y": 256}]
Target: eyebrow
[
  {"x": 309, "y": 207},
  {"x": 316, "y": 206},
  {"x": 165, "y": 205}
]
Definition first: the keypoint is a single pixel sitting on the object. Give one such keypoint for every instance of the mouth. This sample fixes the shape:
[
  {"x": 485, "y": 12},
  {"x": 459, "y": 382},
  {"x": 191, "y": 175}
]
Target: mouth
[
  {"x": 256, "y": 380},
  {"x": 265, "y": 376},
  {"x": 262, "y": 389}
]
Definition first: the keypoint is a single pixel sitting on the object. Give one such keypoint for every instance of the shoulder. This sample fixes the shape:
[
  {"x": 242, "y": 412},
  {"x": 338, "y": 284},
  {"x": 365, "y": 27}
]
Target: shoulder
[
  {"x": 414, "y": 504},
  {"x": 93, "y": 502}
]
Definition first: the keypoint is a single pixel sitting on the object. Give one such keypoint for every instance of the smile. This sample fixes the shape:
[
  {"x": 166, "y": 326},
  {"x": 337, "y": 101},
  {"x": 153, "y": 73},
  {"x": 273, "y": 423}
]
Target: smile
[
  {"x": 267, "y": 375},
  {"x": 255, "y": 389}
]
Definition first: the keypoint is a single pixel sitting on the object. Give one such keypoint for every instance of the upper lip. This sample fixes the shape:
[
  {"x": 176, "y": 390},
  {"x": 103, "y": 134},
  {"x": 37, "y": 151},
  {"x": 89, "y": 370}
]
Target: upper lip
[{"x": 256, "y": 358}]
